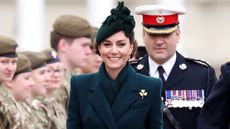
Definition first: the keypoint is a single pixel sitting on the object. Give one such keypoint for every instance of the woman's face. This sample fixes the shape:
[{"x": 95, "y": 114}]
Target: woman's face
[
  {"x": 7, "y": 68},
  {"x": 41, "y": 79},
  {"x": 21, "y": 86},
  {"x": 56, "y": 75},
  {"x": 115, "y": 51}
]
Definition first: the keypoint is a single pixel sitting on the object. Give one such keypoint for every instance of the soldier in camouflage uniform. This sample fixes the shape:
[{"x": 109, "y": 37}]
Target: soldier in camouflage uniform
[
  {"x": 35, "y": 116},
  {"x": 71, "y": 39},
  {"x": 56, "y": 75},
  {"x": 35, "y": 104},
  {"x": 10, "y": 117}
]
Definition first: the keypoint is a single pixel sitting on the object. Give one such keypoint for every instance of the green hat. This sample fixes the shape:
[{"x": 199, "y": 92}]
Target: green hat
[
  {"x": 37, "y": 59},
  {"x": 23, "y": 64},
  {"x": 51, "y": 56},
  {"x": 72, "y": 26},
  {"x": 7, "y": 47},
  {"x": 120, "y": 19}
]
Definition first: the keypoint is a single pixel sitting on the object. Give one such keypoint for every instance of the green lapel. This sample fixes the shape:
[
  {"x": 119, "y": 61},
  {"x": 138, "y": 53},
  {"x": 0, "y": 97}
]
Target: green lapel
[
  {"x": 100, "y": 103},
  {"x": 127, "y": 95}
]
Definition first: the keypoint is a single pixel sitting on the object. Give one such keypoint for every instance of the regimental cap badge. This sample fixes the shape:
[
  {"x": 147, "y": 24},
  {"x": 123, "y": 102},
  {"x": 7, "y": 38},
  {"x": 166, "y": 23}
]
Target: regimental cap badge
[
  {"x": 183, "y": 66},
  {"x": 143, "y": 93},
  {"x": 53, "y": 54},
  {"x": 140, "y": 66},
  {"x": 160, "y": 19}
]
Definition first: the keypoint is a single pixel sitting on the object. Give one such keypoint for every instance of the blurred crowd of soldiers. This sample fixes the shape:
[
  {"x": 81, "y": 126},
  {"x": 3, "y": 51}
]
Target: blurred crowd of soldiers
[{"x": 34, "y": 86}]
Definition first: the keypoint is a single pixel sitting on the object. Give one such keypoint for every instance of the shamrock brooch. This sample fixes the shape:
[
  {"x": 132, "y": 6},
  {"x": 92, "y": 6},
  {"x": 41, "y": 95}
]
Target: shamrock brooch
[{"x": 143, "y": 93}]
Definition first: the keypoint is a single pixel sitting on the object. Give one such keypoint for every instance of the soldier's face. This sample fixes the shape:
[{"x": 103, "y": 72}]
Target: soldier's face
[
  {"x": 56, "y": 75},
  {"x": 41, "y": 79},
  {"x": 115, "y": 51},
  {"x": 161, "y": 47},
  {"x": 78, "y": 51},
  {"x": 92, "y": 63},
  {"x": 21, "y": 86},
  {"x": 7, "y": 68}
]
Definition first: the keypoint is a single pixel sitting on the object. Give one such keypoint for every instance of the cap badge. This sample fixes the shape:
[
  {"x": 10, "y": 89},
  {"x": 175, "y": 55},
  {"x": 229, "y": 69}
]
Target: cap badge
[
  {"x": 160, "y": 19},
  {"x": 53, "y": 54},
  {"x": 140, "y": 66},
  {"x": 143, "y": 93},
  {"x": 183, "y": 66}
]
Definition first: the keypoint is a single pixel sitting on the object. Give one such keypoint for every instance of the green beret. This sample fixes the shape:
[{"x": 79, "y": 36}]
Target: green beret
[
  {"x": 7, "y": 47},
  {"x": 50, "y": 56},
  {"x": 72, "y": 26},
  {"x": 120, "y": 19},
  {"x": 37, "y": 59},
  {"x": 23, "y": 64}
]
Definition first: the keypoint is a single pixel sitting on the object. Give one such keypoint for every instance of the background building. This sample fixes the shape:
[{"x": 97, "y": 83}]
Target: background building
[{"x": 204, "y": 27}]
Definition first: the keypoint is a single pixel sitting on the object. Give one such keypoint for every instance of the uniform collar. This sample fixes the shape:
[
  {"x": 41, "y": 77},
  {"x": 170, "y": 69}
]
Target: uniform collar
[{"x": 167, "y": 67}]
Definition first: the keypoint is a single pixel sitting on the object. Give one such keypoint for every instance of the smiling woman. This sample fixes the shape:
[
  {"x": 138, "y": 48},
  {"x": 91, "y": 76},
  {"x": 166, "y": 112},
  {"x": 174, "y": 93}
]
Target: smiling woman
[
  {"x": 115, "y": 96},
  {"x": 115, "y": 52},
  {"x": 8, "y": 58}
]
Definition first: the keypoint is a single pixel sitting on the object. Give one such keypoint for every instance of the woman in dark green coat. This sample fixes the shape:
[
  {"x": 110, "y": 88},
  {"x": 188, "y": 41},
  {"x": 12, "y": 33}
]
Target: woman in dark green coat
[{"x": 116, "y": 97}]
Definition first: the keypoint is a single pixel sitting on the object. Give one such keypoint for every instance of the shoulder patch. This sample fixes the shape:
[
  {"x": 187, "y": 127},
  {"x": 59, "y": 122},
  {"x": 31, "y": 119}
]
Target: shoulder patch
[{"x": 199, "y": 61}]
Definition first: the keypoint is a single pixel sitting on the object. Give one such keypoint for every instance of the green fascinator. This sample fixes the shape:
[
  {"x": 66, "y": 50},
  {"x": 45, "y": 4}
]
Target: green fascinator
[{"x": 120, "y": 19}]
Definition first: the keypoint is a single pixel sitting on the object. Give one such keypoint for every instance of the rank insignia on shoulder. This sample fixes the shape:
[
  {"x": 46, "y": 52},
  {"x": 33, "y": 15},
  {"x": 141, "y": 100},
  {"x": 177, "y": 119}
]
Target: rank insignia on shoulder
[
  {"x": 199, "y": 61},
  {"x": 183, "y": 66},
  {"x": 140, "y": 66}
]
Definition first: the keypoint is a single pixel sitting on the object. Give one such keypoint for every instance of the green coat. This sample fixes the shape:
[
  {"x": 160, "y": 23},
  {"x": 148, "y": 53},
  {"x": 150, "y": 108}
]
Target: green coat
[{"x": 137, "y": 105}]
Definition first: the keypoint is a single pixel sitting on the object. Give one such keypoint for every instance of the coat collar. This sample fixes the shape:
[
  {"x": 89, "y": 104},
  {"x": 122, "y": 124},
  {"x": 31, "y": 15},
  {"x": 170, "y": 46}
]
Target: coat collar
[
  {"x": 124, "y": 98},
  {"x": 178, "y": 73}
]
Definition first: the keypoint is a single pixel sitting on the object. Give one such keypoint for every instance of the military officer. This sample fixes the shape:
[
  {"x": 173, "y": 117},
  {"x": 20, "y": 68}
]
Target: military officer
[
  {"x": 186, "y": 81},
  {"x": 10, "y": 117},
  {"x": 215, "y": 113}
]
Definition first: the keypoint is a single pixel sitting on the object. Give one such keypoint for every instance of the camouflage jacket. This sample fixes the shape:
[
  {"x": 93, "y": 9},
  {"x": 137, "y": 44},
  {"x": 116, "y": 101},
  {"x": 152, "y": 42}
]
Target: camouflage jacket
[
  {"x": 56, "y": 112},
  {"x": 10, "y": 115}
]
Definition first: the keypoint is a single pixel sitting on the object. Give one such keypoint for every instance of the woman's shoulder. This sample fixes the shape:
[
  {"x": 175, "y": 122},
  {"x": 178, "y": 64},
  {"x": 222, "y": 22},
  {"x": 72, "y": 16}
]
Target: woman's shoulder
[{"x": 82, "y": 80}]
